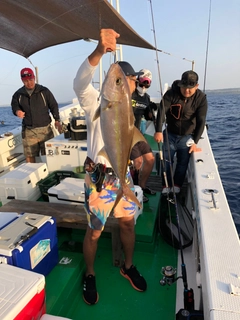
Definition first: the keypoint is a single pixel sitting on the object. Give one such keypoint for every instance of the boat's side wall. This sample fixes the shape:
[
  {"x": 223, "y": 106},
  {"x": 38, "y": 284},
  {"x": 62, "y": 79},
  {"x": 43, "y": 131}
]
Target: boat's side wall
[{"x": 217, "y": 237}]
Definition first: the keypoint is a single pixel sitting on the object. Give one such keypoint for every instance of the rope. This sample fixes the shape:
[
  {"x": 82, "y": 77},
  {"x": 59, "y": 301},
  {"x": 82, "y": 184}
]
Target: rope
[
  {"x": 155, "y": 42},
  {"x": 206, "y": 60}
]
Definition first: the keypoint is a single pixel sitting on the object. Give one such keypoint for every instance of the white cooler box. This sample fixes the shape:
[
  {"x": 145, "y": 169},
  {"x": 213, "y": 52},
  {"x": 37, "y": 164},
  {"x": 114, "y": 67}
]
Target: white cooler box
[
  {"x": 21, "y": 182},
  {"x": 68, "y": 191},
  {"x": 139, "y": 195},
  {"x": 30, "y": 242},
  {"x": 22, "y": 294},
  {"x": 65, "y": 154}
]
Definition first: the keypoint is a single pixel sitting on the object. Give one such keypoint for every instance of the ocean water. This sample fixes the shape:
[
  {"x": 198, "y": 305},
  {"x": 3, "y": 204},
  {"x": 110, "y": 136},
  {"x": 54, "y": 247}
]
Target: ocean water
[
  {"x": 223, "y": 129},
  {"x": 224, "y": 123}
]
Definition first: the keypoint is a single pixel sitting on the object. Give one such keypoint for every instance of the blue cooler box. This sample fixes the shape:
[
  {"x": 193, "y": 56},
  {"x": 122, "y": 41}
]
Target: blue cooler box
[{"x": 30, "y": 242}]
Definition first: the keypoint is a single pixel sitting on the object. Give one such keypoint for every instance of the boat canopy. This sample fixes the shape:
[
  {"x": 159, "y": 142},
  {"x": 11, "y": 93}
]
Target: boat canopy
[{"x": 30, "y": 26}]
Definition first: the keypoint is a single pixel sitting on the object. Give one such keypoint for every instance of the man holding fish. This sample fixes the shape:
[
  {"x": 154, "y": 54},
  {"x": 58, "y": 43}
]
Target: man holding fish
[{"x": 111, "y": 134}]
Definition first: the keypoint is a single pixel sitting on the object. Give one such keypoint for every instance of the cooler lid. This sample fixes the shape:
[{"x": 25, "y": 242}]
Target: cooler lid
[
  {"x": 23, "y": 171},
  {"x": 6, "y": 217},
  {"x": 17, "y": 287},
  {"x": 19, "y": 230},
  {"x": 69, "y": 188}
]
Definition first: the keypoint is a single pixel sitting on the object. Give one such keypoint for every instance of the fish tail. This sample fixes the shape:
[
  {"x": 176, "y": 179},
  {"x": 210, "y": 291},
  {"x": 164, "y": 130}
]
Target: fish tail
[
  {"x": 119, "y": 196},
  {"x": 130, "y": 195}
]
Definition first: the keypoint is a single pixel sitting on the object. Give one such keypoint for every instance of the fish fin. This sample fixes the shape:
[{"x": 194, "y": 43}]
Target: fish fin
[
  {"x": 103, "y": 153},
  {"x": 119, "y": 196},
  {"x": 108, "y": 106},
  {"x": 97, "y": 113},
  {"x": 128, "y": 193},
  {"x": 137, "y": 136}
]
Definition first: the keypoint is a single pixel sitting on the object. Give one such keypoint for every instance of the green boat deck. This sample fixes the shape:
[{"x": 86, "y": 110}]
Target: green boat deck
[{"x": 117, "y": 298}]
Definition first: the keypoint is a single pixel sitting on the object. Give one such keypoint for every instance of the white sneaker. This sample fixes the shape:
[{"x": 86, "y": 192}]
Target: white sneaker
[
  {"x": 165, "y": 190},
  {"x": 175, "y": 189}
]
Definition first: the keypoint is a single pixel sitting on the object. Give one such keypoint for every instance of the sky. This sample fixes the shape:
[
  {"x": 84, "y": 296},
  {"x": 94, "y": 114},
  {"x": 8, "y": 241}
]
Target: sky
[{"x": 178, "y": 28}]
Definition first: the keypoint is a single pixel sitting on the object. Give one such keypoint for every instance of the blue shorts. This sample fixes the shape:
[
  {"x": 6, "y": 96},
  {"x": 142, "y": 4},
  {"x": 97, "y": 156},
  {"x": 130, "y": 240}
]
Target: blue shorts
[{"x": 99, "y": 204}]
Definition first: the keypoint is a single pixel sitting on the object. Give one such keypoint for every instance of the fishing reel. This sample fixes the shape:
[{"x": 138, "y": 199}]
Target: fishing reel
[
  {"x": 169, "y": 275},
  {"x": 64, "y": 127}
]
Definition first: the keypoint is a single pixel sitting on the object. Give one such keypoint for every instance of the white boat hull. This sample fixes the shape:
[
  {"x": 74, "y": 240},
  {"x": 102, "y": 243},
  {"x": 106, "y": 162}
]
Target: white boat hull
[{"x": 213, "y": 260}]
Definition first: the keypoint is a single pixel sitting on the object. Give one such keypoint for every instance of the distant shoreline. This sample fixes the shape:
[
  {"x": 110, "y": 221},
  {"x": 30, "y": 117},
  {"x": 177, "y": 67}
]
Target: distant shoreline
[
  {"x": 61, "y": 104},
  {"x": 230, "y": 90}
]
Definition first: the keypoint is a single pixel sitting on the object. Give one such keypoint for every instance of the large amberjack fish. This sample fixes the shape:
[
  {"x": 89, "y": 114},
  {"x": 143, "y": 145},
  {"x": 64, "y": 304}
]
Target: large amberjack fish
[{"x": 117, "y": 125}]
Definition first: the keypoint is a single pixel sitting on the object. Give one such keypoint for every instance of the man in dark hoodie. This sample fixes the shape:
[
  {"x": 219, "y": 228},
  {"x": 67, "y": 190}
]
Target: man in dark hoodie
[
  {"x": 32, "y": 103},
  {"x": 185, "y": 108}
]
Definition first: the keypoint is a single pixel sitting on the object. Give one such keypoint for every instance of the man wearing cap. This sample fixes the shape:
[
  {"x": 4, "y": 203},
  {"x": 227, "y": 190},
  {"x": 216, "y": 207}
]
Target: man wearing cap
[
  {"x": 141, "y": 155},
  {"x": 185, "y": 109},
  {"x": 97, "y": 207},
  {"x": 32, "y": 103}
]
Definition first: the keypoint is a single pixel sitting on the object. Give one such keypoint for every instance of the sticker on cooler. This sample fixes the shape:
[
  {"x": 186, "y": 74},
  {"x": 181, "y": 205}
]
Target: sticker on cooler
[{"x": 39, "y": 251}]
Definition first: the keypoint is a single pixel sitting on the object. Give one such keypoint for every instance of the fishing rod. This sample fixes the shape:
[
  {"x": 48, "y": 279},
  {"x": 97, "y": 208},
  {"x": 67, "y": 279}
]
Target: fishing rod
[
  {"x": 206, "y": 60},
  {"x": 169, "y": 272},
  {"x": 163, "y": 164},
  {"x": 188, "y": 293}
]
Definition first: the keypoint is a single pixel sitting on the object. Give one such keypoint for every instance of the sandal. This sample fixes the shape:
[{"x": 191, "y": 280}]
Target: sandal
[
  {"x": 147, "y": 190},
  {"x": 145, "y": 199}
]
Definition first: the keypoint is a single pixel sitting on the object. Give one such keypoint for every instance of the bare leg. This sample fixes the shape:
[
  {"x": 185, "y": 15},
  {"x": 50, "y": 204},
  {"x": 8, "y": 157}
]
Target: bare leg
[
  {"x": 127, "y": 235},
  {"x": 30, "y": 159},
  {"x": 146, "y": 169},
  {"x": 90, "y": 248}
]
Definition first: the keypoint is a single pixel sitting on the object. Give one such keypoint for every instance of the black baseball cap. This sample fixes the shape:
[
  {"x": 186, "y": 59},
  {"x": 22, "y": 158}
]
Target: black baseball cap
[
  {"x": 128, "y": 69},
  {"x": 189, "y": 79}
]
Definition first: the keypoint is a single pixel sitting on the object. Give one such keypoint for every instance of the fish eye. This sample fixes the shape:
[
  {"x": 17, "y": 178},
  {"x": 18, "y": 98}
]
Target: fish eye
[{"x": 118, "y": 81}]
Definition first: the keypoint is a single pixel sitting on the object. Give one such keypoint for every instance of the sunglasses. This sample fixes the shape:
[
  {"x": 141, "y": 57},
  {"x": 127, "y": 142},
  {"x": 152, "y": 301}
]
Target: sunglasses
[
  {"x": 29, "y": 75},
  {"x": 144, "y": 84}
]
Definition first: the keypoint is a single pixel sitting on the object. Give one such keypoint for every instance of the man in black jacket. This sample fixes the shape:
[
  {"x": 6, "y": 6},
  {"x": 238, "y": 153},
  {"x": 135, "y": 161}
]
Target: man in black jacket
[
  {"x": 32, "y": 103},
  {"x": 185, "y": 108}
]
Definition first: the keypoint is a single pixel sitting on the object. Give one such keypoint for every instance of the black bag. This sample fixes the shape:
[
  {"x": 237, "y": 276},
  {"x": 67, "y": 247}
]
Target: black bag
[
  {"x": 189, "y": 315},
  {"x": 168, "y": 223}
]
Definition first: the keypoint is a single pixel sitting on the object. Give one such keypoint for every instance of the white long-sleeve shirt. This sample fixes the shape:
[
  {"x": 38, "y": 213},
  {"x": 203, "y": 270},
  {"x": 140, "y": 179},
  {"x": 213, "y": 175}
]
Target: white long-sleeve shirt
[{"x": 88, "y": 98}]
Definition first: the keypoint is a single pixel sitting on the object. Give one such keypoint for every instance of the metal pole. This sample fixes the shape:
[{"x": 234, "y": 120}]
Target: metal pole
[
  {"x": 36, "y": 74},
  {"x": 100, "y": 64},
  {"x": 36, "y": 71},
  {"x": 120, "y": 46}
]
